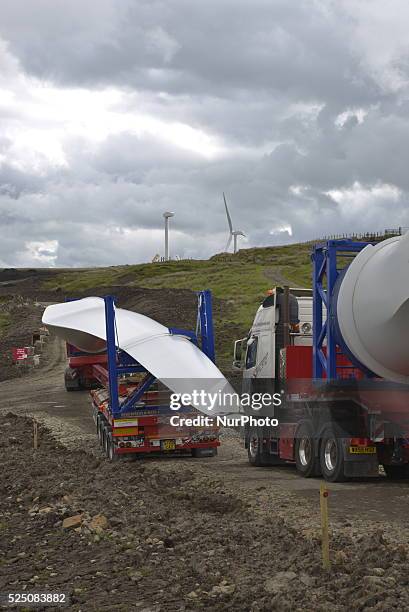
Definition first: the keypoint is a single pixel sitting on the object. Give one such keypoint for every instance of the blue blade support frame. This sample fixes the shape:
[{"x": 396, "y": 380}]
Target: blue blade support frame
[
  {"x": 325, "y": 260},
  {"x": 120, "y": 362}
]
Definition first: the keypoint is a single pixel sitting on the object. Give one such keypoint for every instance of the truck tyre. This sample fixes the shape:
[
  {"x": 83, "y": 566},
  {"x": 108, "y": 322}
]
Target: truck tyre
[
  {"x": 104, "y": 438},
  {"x": 100, "y": 430},
  {"x": 110, "y": 448},
  {"x": 332, "y": 456},
  {"x": 255, "y": 453},
  {"x": 397, "y": 472},
  {"x": 253, "y": 450},
  {"x": 109, "y": 445},
  {"x": 306, "y": 461}
]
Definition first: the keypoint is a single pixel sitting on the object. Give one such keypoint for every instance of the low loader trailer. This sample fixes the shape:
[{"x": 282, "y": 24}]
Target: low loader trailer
[
  {"x": 339, "y": 355},
  {"x": 131, "y": 408}
]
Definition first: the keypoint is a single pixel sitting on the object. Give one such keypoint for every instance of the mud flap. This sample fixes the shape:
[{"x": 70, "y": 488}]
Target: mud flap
[
  {"x": 361, "y": 468},
  {"x": 72, "y": 380},
  {"x": 204, "y": 452}
]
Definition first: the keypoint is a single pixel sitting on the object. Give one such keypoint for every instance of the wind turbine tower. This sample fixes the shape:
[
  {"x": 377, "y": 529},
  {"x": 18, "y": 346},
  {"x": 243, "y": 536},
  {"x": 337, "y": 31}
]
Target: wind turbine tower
[
  {"x": 233, "y": 233},
  {"x": 167, "y": 216}
]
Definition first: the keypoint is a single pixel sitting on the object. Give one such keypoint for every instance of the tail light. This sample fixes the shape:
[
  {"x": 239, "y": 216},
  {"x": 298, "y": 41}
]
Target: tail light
[{"x": 360, "y": 442}]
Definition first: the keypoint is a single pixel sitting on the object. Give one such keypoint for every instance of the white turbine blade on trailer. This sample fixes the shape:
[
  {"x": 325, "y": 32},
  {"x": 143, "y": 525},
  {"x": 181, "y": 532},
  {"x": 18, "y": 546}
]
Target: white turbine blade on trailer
[
  {"x": 173, "y": 359},
  {"x": 82, "y": 323},
  {"x": 229, "y": 221}
]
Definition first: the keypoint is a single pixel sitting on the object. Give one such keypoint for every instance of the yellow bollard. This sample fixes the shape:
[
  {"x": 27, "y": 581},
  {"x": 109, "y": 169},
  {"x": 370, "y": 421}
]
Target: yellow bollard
[{"x": 324, "y": 526}]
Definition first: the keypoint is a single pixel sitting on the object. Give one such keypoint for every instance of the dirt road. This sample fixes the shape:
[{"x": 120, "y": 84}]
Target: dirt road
[
  {"x": 68, "y": 416},
  {"x": 190, "y": 534}
]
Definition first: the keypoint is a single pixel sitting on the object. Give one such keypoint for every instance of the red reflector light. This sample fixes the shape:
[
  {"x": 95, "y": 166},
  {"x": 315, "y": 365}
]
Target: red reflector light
[{"x": 360, "y": 442}]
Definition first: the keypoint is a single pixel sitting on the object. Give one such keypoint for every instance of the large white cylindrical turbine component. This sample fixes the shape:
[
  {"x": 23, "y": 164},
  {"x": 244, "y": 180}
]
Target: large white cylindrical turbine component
[{"x": 372, "y": 308}]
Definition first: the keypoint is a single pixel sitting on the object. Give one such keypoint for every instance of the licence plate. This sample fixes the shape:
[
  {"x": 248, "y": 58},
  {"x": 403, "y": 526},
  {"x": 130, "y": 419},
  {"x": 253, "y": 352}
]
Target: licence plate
[
  {"x": 362, "y": 450},
  {"x": 168, "y": 445}
]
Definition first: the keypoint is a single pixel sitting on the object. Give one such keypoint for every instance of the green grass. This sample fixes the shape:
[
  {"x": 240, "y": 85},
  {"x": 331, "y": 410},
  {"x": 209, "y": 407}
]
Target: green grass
[
  {"x": 80, "y": 280},
  {"x": 4, "y": 323},
  {"x": 242, "y": 280}
]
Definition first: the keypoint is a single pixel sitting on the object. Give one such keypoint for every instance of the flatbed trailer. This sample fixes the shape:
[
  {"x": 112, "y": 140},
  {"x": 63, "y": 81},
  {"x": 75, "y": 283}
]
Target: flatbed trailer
[{"x": 130, "y": 408}]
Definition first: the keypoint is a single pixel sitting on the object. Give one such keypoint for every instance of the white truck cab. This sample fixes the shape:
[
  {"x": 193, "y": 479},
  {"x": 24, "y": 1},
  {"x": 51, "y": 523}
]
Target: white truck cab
[{"x": 284, "y": 317}]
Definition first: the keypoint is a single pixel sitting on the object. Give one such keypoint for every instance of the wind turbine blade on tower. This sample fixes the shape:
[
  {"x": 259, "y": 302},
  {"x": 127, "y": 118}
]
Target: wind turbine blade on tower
[
  {"x": 228, "y": 214},
  {"x": 228, "y": 243}
]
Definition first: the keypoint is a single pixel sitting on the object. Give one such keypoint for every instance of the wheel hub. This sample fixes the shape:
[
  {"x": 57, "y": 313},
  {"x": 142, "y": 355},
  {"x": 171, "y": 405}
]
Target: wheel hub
[
  {"x": 330, "y": 454},
  {"x": 253, "y": 446},
  {"x": 305, "y": 451}
]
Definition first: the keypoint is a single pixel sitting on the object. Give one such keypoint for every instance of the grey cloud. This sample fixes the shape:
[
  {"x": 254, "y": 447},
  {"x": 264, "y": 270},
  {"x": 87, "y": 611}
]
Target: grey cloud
[
  {"x": 185, "y": 47},
  {"x": 267, "y": 79}
]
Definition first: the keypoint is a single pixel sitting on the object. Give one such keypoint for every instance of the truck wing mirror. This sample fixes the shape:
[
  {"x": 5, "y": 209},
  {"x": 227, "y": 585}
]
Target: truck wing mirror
[{"x": 238, "y": 353}]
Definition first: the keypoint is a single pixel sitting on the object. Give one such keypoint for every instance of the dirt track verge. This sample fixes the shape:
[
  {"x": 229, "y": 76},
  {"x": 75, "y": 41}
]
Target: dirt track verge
[
  {"x": 25, "y": 319},
  {"x": 174, "y": 537}
]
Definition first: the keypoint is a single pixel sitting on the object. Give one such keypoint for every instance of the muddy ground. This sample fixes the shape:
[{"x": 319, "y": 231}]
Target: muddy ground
[
  {"x": 173, "y": 536},
  {"x": 181, "y": 533}
]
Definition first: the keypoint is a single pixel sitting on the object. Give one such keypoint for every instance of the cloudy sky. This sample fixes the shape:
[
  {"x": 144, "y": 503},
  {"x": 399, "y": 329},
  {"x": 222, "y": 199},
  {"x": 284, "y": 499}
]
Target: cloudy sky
[{"x": 113, "y": 111}]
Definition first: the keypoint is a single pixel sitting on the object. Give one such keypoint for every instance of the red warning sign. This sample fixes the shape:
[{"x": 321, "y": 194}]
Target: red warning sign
[{"x": 19, "y": 353}]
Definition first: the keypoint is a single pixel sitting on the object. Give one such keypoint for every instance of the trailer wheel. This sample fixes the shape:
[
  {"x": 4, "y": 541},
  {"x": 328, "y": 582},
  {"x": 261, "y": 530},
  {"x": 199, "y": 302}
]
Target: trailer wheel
[
  {"x": 305, "y": 459},
  {"x": 110, "y": 447},
  {"x": 71, "y": 382},
  {"x": 100, "y": 430},
  {"x": 104, "y": 440},
  {"x": 332, "y": 457},
  {"x": 397, "y": 472}
]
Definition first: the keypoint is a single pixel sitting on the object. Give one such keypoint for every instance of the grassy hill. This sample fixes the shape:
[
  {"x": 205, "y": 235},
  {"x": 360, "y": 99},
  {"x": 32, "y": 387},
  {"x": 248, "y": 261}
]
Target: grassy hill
[{"x": 240, "y": 280}]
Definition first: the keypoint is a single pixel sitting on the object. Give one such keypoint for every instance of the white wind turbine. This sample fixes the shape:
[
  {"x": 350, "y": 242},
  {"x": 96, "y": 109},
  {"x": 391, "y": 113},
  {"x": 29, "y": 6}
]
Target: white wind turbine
[
  {"x": 233, "y": 233},
  {"x": 167, "y": 216}
]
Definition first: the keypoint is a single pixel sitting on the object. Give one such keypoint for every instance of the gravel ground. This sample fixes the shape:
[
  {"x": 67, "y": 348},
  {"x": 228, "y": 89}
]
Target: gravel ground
[{"x": 163, "y": 536}]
